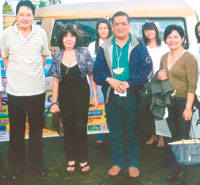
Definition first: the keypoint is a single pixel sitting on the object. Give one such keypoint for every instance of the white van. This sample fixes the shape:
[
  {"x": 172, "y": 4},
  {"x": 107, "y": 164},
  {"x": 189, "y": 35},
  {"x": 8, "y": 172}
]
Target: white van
[{"x": 85, "y": 16}]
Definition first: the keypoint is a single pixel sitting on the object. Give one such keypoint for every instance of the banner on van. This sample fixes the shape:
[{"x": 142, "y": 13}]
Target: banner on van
[{"x": 96, "y": 117}]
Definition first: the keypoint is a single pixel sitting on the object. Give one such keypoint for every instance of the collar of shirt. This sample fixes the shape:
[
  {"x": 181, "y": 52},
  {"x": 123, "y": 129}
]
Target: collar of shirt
[
  {"x": 100, "y": 42},
  {"x": 127, "y": 43},
  {"x": 33, "y": 30}
]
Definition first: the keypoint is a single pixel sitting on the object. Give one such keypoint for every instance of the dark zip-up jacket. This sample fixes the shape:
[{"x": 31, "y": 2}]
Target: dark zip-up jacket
[{"x": 140, "y": 65}]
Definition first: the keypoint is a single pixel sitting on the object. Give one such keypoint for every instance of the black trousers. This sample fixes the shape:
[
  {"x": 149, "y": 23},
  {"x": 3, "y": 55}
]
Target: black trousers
[
  {"x": 179, "y": 128},
  {"x": 74, "y": 111},
  {"x": 18, "y": 106}
]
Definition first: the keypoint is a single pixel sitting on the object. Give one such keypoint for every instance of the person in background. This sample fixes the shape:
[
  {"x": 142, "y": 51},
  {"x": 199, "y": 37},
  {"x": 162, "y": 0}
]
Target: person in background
[
  {"x": 195, "y": 50},
  {"x": 156, "y": 49},
  {"x": 70, "y": 66},
  {"x": 24, "y": 48},
  {"x": 180, "y": 68},
  {"x": 122, "y": 66},
  {"x": 103, "y": 32}
]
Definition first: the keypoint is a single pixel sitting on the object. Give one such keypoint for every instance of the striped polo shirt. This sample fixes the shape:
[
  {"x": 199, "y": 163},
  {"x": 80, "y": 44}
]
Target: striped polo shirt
[{"x": 25, "y": 73}]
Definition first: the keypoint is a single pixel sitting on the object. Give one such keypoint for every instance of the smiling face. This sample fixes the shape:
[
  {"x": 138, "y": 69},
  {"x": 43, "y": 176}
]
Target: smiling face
[
  {"x": 24, "y": 18},
  {"x": 121, "y": 27},
  {"x": 103, "y": 31},
  {"x": 69, "y": 41},
  {"x": 150, "y": 34},
  {"x": 174, "y": 40}
]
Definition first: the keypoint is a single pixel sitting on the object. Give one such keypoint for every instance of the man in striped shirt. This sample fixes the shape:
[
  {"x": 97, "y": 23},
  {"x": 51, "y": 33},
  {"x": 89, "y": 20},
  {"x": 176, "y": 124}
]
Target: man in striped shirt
[{"x": 24, "y": 49}]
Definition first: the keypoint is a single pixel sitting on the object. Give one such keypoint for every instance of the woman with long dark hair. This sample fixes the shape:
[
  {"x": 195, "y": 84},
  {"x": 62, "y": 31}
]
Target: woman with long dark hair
[
  {"x": 103, "y": 32},
  {"x": 195, "y": 50},
  {"x": 156, "y": 49}
]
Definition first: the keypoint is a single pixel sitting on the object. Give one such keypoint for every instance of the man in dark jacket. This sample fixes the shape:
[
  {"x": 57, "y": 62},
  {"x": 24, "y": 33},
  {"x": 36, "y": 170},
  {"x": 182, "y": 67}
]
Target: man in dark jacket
[{"x": 122, "y": 66}]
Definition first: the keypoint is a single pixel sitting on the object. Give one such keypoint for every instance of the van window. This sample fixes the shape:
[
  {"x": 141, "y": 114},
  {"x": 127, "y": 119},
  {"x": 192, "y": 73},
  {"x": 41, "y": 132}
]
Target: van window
[
  {"x": 161, "y": 23},
  {"x": 38, "y": 22},
  {"x": 86, "y": 28}
]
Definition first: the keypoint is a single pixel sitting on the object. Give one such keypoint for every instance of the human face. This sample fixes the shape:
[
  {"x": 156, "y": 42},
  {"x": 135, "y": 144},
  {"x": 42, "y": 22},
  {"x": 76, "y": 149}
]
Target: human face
[
  {"x": 103, "y": 31},
  {"x": 24, "y": 18},
  {"x": 198, "y": 31},
  {"x": 150, "y": 34},
  {"x": 69, "y": 41},
  {"x": 174, "y": 40},
  {"x": 121, "y": 27}
]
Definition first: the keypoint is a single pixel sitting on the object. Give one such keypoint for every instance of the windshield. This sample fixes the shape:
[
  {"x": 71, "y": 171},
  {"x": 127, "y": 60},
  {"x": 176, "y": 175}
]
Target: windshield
[{"x": 87, "y": 28}]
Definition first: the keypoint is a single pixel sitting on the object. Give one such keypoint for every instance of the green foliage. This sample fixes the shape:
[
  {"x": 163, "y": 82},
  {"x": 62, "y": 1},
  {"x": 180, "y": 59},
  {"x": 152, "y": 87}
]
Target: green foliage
[
  {"x": 7, "y": 9},
  {"x": 42, "y": 4}
]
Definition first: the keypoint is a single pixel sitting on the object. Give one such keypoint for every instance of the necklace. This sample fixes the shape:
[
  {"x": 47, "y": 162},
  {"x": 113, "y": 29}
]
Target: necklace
[{"x": 118, "y": 70}]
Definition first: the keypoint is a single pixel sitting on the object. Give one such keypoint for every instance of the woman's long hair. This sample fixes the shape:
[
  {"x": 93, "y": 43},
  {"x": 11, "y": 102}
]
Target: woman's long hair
[
  {"x": 196, "y": 32},
  {"x": 151, "y": 26},
  {"x": 97, "y": 33}
]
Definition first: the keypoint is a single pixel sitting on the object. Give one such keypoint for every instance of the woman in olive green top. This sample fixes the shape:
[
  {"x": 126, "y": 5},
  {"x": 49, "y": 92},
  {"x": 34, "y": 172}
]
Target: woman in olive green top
[{"x": 180, "y": 68}]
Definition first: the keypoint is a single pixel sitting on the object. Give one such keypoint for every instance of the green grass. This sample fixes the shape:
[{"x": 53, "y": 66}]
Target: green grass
[{"x": 150, "y": 166}]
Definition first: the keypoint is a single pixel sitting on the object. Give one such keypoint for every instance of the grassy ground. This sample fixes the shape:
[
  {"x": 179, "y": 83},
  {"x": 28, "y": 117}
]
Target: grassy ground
[{"x": 150, "y": 165}]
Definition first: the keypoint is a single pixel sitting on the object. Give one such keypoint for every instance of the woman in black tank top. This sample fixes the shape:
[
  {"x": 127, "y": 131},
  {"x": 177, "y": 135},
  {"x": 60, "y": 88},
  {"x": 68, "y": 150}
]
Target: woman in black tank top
[{"x": 70, "y": 66}]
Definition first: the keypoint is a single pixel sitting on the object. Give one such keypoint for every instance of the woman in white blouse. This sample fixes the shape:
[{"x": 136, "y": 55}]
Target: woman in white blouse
[
  {"x": 156, "y": 49},
  {"x": 103, "y": 32},
  {"x": 195, "y": 50}
]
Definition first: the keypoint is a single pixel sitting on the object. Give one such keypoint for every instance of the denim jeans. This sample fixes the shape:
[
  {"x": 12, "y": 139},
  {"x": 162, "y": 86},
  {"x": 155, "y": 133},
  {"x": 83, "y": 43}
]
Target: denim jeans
[{"x": 121, "y": 120}]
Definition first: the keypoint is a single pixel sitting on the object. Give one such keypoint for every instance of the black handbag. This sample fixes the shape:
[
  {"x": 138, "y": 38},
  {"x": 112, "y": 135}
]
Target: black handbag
[
  {"x": 53, "y": 122},
  {"x": 186, "y": 152}
]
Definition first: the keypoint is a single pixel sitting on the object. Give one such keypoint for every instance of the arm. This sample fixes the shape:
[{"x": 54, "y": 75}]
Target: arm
[
  {"x": 191, "y": 77},
  {"x": 187, "y": 114},
  {"x": 140, "y": 65},
  {"x": 4, "y": 49},
  {"x": 100, "y": 69},
  {"x": 101, "y": 73},
  {"x": 55, "y": 87},
  {"x": 5, "y": 61},
  {"x": 90, "y": 64},
  {"x": 44, "y": 60},
  {"x": 162, "y": 73},
  {"x": 95, "y": 91}
]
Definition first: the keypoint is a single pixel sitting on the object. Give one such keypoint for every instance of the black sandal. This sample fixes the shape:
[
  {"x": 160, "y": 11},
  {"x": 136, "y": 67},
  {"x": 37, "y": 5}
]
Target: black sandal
[
  {"x": 71, "y": 166},
  {"x": 85, "y": 166}
]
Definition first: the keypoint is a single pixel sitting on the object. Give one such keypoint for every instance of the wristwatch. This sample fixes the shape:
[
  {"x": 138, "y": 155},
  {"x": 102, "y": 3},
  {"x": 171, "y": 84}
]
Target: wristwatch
[{"x": 107, "y": 79}]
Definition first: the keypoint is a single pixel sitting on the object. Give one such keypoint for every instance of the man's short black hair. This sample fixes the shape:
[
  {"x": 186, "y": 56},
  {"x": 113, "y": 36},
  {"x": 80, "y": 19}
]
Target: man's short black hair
[
  {"x": 26, "y": 3},
  {"x": 120, "y": 13}
]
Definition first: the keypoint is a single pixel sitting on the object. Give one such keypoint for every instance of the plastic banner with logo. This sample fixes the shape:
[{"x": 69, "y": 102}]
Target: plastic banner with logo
[{"x": 96, "y": 117}]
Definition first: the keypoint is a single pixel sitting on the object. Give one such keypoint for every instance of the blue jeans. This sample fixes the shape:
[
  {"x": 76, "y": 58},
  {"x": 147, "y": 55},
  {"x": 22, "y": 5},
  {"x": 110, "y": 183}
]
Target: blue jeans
[{"x": 121, "y": 120}]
